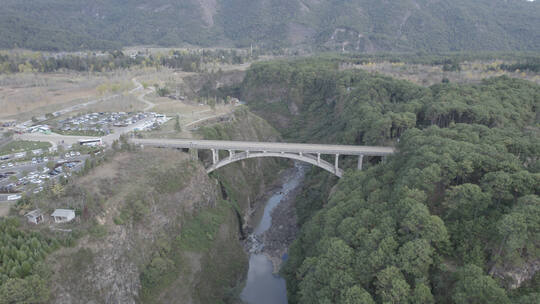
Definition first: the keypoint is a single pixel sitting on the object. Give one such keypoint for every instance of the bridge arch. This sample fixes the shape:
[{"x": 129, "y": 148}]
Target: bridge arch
[{"x": 307, "y": 158}]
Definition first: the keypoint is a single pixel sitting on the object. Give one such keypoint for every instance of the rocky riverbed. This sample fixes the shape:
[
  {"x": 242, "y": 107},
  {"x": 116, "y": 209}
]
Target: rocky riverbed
[
  {"x": 268, "y": 242},
  {"x": 275, "y": 240}
]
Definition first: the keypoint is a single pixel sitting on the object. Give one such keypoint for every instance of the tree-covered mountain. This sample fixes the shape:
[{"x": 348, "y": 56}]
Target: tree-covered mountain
[
  {"x": 352, "y": 25},
  {"x": 452, "y": 217}
]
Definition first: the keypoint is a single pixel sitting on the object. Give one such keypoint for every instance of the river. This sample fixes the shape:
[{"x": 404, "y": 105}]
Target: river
[{"x": 263, "y": 286}]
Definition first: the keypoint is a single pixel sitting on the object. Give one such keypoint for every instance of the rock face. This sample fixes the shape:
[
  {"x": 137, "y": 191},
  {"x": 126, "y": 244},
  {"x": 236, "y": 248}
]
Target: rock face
[
  {"x": 107, "y": 269},
  {"x": 516, "y": 276}
]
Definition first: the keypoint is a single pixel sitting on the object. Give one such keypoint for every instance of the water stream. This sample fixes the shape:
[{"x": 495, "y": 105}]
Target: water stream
[{"x": 263, "y": 286}]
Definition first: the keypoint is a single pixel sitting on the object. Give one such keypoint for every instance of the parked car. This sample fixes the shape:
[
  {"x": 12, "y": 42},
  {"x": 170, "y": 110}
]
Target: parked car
[
  {"x": 38, "y": 190},
  {"x": 10, "y": 165}
]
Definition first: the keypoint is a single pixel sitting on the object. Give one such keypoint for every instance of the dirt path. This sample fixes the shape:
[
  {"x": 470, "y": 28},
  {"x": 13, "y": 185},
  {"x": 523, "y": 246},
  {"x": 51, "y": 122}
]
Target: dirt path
[{"x": 139, "y": 86}]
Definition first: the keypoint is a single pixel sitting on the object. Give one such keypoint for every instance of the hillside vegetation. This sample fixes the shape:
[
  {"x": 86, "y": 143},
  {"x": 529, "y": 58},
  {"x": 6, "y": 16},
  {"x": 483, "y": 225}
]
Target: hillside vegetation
[
  {"x": 453, "y": 217},
  {"x": 355, "y": 25}
]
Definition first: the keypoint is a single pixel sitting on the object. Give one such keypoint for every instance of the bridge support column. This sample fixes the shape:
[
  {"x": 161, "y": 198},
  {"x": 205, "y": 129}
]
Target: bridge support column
[
  {"x": 360, "y": 160},
  {"x": 336, "y": 164},
  {"x": 215, "y": 156},
  {"x": 247, "y": 153},
  {"x": 231, "y": 154},
  {"x": 318, "y": 158}
]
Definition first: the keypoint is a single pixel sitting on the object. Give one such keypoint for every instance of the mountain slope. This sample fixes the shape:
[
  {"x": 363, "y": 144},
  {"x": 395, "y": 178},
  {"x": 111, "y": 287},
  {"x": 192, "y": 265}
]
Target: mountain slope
[{"x": 352, "y": 25}]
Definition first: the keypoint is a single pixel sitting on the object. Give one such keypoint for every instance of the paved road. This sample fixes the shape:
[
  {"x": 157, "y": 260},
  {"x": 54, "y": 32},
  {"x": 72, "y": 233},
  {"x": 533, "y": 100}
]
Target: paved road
[
  {"x": 266, "y": 146},
  {"x": 53, "y": 138}
]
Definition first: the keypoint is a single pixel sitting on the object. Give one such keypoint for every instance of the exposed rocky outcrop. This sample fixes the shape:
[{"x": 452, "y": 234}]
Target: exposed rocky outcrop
[
  {"x": 107, "y": 269},
  {"x": 515, "y": 276}
]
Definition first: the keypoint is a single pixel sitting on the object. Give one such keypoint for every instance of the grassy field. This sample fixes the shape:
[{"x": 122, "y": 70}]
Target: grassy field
[
  {"x": 22, "y": 145},
  {"x": 123, "y": 103},
  {"x": 40, "y": 93}
]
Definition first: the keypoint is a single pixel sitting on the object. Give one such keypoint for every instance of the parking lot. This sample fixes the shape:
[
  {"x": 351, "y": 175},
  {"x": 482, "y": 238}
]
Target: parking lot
[
  {"x": 33, "y": 176},
  {"x": 99, "y": 123},
  {"x": 32, "y": 173}
]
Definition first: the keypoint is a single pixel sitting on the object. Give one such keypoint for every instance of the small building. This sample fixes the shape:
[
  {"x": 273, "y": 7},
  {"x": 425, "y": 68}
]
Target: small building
[
  {"x": 63, "y": 215},
  {"x": 34, "y": 216}
]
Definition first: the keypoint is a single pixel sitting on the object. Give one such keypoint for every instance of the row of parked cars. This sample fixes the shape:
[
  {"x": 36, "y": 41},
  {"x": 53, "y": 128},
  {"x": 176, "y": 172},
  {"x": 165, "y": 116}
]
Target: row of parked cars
[
  {"x": 8, "y": 165},
  {"x": 38, "y": 160},
  {"x": 72, "y": 154}
]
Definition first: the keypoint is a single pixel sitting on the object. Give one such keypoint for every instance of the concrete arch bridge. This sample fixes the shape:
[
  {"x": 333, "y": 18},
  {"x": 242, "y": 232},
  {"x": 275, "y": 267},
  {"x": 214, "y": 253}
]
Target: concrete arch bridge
[{"x": 240, "y": 150}]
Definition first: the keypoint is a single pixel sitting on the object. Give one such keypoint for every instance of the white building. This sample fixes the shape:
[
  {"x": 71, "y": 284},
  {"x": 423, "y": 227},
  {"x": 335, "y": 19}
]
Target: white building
[
  {"x": 34, "y": 216},
  {"x": 63, "y": 215}
]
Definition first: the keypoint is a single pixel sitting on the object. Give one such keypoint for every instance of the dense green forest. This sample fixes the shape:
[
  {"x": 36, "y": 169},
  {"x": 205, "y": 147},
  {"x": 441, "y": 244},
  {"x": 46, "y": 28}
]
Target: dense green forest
[
  {"x": 23, "y": 275},
  {"x": 453, "y": 217},
  {"x": 354, "y": 25}
]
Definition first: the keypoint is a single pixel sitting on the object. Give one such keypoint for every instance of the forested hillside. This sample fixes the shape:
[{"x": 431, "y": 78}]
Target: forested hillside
[
  {"x": 453, "y": 217},
  {"x": 355, "y": 25}
]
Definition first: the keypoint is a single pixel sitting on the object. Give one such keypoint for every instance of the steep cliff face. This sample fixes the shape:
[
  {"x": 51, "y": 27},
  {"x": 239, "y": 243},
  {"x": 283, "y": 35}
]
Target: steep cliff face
[
  {"x": 244, "y": 181},
  {"x": 158, "y": 229},
  {"x": 157, "y": 193}
]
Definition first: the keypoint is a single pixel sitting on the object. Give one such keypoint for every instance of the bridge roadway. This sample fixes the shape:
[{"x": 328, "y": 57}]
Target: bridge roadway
[
  {"x": 266, "y": 146},
  {"x": 310, "y": 153}
]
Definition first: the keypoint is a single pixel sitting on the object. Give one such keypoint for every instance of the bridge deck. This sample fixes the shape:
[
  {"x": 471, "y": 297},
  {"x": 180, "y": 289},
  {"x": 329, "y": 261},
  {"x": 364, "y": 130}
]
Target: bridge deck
[{"x": 266, "y": 146}]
